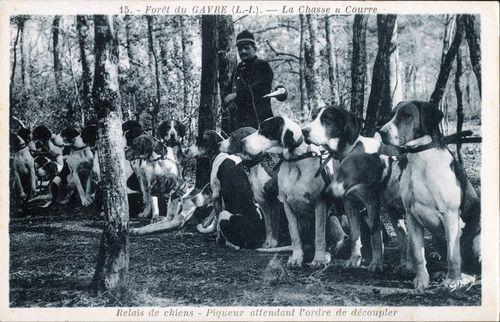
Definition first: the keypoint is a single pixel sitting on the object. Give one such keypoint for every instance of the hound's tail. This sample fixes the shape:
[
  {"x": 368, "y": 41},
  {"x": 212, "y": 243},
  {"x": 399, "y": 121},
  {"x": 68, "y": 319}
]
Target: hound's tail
[{"x": 280, "y": 249}]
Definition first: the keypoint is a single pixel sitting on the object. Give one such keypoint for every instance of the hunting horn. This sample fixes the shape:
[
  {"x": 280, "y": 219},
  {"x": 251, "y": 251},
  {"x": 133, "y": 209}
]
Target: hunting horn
[{"x": 280, "y": 93}]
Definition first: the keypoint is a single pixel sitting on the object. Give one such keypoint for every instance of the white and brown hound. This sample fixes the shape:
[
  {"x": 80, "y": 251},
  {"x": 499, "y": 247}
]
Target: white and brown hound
[
  {"x": 23, "y": 165},
  {"x": 149, "y": 166},
  {"x": 363, "y": 174},
  {"x": 435, "y": 191},
  {"x": 300, "y": 190}
]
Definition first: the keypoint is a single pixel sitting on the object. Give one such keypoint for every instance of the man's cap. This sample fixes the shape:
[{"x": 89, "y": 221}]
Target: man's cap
[{"x": 245, "y": 37}]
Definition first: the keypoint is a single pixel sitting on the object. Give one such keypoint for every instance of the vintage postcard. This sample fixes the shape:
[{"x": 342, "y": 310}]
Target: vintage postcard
[{"x": 249, "y": 161}]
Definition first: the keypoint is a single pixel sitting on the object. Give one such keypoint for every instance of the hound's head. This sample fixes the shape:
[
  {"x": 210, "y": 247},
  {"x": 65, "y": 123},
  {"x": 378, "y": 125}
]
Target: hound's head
[
  {"x": 206, "y": 143},
  {"x": 89, "y": 135},
  {"x": 275, "y": 135},
  {"x": 41, "y": 137},
  {"x": 172, "y": 132},
  {"x": 411, "y": 120},
  {"x": 234, "y": 145},
  {"x": 333, "y": 128},
  {"x": 142, "y": 148},
  {"x": 68, "y": 137}
]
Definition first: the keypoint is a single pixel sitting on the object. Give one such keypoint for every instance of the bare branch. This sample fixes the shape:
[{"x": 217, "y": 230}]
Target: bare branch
[{"x": 277, "y": 53}]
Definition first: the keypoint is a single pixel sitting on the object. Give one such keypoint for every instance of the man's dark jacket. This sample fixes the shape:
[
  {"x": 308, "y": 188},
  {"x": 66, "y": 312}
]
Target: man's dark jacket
[{"x": 250, "y": 81}]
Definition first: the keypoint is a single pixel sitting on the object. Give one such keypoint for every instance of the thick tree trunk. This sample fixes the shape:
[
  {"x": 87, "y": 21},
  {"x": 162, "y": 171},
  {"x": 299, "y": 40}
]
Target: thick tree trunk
[
  {"x": 396, "y": 74},
  {"x": 83, "y": 29},
  {"x": 227, "y": 63},
  {"x": 208, "y": 90},
  {"x": 302, "y": 64},
  {"x": 460, "y": 105},
  {"x": 379, "y": 106},
  {"x": 446, "y": 66},
  {"x": 331, "y": 58},
  {"x": 55, "y": 52},
  {"x": 312, "y": 65},
  {"x": 152, "y": 51},
  {"x": 358, "y": 65},
  {"x": 473, "y": 35},
  {"x": 112, "y": 266},
  {"x": 449, "y": 30}
]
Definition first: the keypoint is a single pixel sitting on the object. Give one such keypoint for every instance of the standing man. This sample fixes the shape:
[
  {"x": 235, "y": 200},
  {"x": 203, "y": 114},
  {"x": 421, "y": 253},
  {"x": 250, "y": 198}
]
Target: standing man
[{"x": 251, "y": 80}]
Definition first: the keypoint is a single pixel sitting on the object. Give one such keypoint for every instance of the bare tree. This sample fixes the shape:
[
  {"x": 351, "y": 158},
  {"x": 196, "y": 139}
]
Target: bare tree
[
  {"x": 156, "y": 105},
  {"x": 379, "y": 105},
  {"x": 186, "y": 62},
  {"x": 83, "y": 29},
  {"x": 227, "y": 63},
  {"x": 312, "y": 66},
  {"x": 447, "y": 63},
  {"x": 473, "y": 35},
  {"x": 14, "y": 60},
  {"x": 358, "y": 65},
  {"x": 56, "y": 53},
  {"x": 302, "y": 64},
  {"x": 21, "y": 23},
  {"x": 331, "y": 58},
  {"x": 460, "y": 105},
  {"x": 130, "y": 46},
  {"x": 208, "y": 90},
  {"x": 396, "y": 74},
  {"x": 112, "y": 268}
]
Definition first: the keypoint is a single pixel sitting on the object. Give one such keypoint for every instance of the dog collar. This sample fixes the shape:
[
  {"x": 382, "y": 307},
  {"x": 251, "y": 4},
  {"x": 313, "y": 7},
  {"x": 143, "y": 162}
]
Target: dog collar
[
  {"x": 21, "y": 146},
  {"x": 459, "y": 137}
]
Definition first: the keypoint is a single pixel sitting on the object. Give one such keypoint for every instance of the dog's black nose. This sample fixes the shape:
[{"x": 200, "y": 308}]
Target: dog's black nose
[{"x": 305, "y": 131}]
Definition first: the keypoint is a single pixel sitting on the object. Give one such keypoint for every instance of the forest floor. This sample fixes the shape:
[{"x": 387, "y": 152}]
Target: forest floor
[{"x": 53, "y": 253}]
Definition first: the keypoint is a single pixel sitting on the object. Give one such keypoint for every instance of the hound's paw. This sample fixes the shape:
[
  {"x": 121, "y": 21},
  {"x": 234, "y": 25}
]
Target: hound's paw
[
  {"x": 143, "y": 215},
  {"x": 270, "y": 243},
  {"x": 421, "y": 281},
  {"x": 321, "y": 259},
  {"x": 404, "y": 269},
  {"x": 456, "y": 283},
  {"x": 376, "y": 265},
  {"x": 295, "y": 260},
  {"x": 86, "y": 201},
  {"x": 353, "y": 262},
  {"x": 155, "y": 219},
  {"x": 434, "y": 256}
]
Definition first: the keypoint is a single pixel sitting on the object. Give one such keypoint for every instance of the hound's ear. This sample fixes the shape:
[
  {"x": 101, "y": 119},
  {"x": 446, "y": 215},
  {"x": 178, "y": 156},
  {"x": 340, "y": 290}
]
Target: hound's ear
[
  {"x": 162, "y": 129},
  {"x": 182, "y": 129},
  {"x": 288, "y": 140},
  {"x": 430, "y": 117},
  {"x": 352, "y": 127}
]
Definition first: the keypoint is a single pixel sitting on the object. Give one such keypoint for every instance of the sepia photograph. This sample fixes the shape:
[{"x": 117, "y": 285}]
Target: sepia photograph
[{"x": 240, "y": 156}]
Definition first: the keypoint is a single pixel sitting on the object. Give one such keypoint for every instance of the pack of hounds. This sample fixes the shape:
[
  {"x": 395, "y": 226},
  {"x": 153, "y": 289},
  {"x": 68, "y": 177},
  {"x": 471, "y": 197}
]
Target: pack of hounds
[{"x": 311, "y": 186}]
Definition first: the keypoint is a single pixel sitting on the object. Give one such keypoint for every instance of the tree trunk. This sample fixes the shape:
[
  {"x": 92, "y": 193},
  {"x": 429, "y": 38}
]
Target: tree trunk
[
  {"x": 302, "y": 64},
  {"x": 330, "y": 56},
  {"x": 449, "y": 29},
  {"x": 22, "y": 21},
  {"x": 379, "y": 106},
  {"x": 358, "y": 65},
  {"x": 130, "y": 47},
  {"x": 473, "y": 35},
  {"x": 227, "y": 63},
  {"x": 208, "y": 90},
  {"x": 446, "y": 66},
  {"x": 14, "y": 64},
  {"x": 113, "y": 259},
  {"x": 460, "y": 106},
  {"x": 83, "y": 29},
  {"x": 55, "y": 52},
  {"x": 396, "y": 75},
  {"x": 186, "y": 63},
  {"x": 156, "y": 105},
  {"x": 312, "y": 66}
]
